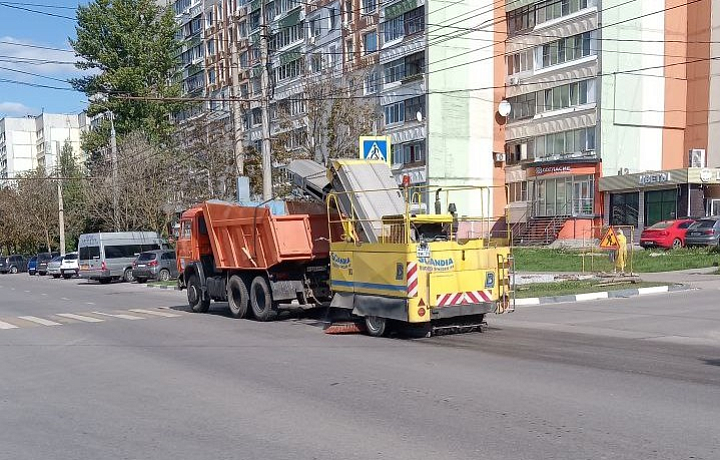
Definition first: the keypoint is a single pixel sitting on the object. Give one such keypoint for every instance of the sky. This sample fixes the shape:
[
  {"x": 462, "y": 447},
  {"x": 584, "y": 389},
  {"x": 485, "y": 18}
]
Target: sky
[{"x": 21, "y": 27}]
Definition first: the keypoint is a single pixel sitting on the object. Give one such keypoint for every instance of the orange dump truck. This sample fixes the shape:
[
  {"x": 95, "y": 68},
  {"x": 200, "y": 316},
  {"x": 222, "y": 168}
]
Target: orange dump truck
[{"x": 253, "y": 258}]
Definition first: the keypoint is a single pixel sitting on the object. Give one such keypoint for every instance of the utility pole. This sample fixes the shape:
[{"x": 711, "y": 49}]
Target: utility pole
[
  {"x": 113, "y": 158},
  {"x": 265, "y": 83},
  {"x": 236, "y": 111},
  {"x": 61, "y": 208}
]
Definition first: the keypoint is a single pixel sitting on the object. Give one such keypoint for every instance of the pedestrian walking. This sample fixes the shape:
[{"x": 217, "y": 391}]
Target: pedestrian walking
[{"x": 621, "y": 253}]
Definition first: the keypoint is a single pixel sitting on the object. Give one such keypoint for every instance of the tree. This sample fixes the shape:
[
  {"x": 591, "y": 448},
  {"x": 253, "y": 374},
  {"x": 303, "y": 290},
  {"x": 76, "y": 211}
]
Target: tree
[
  {"x": 147, "y": 186},
  {"x": 351, "y": 116},
  {"x": 131, "y": 48},
  {"x": 73, "y": 184},
  {"x": 36, "y": 205}
]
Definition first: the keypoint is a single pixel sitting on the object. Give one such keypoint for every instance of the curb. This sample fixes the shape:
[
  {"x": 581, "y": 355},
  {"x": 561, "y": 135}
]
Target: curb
[
  {"x": 166, "y": 288},
  {"x": 619, "y": 294}
]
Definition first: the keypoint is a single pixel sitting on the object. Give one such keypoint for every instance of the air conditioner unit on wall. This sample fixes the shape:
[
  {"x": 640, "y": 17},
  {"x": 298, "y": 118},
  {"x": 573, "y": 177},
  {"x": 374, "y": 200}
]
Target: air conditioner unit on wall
[
  {"x": 499, "y": 157},
  {"x": 696, "y": 158},
  {"x": 514, "y": 80}
]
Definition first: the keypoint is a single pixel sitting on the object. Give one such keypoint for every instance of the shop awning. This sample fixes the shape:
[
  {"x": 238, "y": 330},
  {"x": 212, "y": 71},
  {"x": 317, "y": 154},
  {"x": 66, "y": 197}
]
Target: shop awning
[{"x": 655, "y": 179}]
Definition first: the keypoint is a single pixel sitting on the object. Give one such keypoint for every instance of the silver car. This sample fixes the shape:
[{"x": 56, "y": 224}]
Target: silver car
[
  {"x": 53, "y": 267},
  {"x": 157, "y": 265},
  {"x": 704, "y": 232}
]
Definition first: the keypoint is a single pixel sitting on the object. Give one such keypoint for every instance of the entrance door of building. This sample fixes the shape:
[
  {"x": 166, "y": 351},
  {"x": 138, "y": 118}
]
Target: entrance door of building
[
  {"x": 582, "y": 197},
  {"x": 714, "y": 206}
]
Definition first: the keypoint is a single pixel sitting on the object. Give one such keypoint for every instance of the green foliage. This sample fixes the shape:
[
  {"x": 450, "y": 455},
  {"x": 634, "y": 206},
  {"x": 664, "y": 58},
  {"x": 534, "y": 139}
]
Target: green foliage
[
  {"x": 131, "y": 48},
  {"x": 73, "y": 196},
  {"x": 643, "y": 261}
]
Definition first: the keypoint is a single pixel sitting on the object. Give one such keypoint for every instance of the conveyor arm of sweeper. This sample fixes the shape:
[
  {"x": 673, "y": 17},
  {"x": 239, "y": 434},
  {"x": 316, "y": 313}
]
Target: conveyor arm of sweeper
[{"x": 366, "y": 190}]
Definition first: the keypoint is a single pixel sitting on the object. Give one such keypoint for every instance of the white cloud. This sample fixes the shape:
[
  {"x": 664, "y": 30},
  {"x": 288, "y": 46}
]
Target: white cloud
[{"x": 15, "y": 109}]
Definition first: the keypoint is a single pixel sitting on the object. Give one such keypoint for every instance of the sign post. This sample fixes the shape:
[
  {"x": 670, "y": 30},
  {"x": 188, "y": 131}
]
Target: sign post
[{"x": 375, "y": 148}]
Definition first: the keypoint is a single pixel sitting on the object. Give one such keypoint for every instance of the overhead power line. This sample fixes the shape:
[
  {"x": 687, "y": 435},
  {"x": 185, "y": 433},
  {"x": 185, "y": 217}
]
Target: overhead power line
[{"x": 30, "y": 10}]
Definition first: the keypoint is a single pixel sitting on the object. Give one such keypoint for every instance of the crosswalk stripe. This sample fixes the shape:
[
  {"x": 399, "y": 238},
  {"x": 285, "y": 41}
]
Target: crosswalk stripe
[
  {"x": 86, "y": 319},
  {"x": 155, "y": 313},
  {"x": 44, "y": 322},
  {"x": 120, "y": 315},
  {"x": 7, "y": 326}
]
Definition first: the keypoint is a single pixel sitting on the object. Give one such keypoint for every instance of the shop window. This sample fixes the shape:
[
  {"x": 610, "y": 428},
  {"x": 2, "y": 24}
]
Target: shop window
[
  {"x": 565, "y": 196},
  {"x": 660, "y": 205},
  {"x": 624, "y": 208}
]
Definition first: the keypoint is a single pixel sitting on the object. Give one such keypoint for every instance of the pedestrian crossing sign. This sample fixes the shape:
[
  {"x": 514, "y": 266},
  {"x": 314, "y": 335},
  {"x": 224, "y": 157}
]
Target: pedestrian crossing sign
[
  {"x": 609, "y": 240},
  {"x": 375, "y": 148}
]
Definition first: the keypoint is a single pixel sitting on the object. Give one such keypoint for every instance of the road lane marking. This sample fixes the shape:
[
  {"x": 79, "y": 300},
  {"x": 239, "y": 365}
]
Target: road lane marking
[
  {"x": 155, "y": 313},
  {"x": 121, "y": 316},
  {"x": 7, "y": 326},
  {"x": 89, "y": 303},
  {"x": 86, "y": 319},
  {"x": 44, "y": 322}
]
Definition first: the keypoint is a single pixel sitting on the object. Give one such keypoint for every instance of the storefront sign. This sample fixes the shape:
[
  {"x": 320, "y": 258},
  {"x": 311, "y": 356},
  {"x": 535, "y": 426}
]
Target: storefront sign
[
  {"x": 709, "y": 175},
  {"x": 654, "y": 178},
  {"x": 540, "y": 170}
]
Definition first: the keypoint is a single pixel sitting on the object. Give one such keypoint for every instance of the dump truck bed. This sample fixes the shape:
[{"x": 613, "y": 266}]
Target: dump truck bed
[{"x": 244, "y": 237}]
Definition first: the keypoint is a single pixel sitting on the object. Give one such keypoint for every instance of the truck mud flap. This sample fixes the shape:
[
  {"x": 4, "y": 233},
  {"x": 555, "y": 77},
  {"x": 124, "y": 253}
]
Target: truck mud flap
[{"x": 369, "y": 305}]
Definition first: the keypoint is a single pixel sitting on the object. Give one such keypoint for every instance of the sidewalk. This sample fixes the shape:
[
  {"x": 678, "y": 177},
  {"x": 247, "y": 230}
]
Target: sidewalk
[{"x": 696, "y": 278}]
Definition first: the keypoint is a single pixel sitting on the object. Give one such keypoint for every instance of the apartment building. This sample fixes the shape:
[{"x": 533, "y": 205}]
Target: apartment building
[
  {"x": 32, "y": 141},
  {"x": 602, "y": 88},
  {"x": 189, "y": 15},
  {"x": 431, "y": 81}
]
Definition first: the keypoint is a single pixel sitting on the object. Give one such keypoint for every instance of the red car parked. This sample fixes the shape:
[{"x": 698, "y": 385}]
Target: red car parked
[{"x": 666, "y": 234}]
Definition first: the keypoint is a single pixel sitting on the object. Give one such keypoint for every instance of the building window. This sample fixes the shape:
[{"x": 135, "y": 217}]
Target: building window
[
  {"x": 414, "y": 64},
  {"x": 526, "y": 18},
  {"x": 315, "y": 27},
  {"x": 332, "y": 18},
  {"x": 211, "y": 76},
  {"x": 370, "y": 42},
  {"x": 660, "y": 205},
  {"x": 369, "y": 6},
  {"x": 520, "y": 62},
  {"x": 564, "y": 96},
  {"x": 316, "y": 62},
  {"x": 523, "y": 106},
  {"x": 406, "y": 24},
  {"x": 349, "y": 51},
  {"x": 554, "y": 9},
  {"x": 371, "y": 82},
  {"x": 414, "y": 21},
  {"x": 564, "y": 196},
  {"x": 624, "y": 208},
  {"x": 565, "y": 142},
  {"x": 521, "y": 19},
  {"x": 394, "y": 70},
  {"x": 517, "y": 151},
  {"x": 289, "y": 70},
  {"x": 567, "y": 49},
  {"x": 518, "y": 191},
  {"x": 348, "y": 11},
  {"x": 413, "y": 106},
  {"x": 395, "y": 113}
]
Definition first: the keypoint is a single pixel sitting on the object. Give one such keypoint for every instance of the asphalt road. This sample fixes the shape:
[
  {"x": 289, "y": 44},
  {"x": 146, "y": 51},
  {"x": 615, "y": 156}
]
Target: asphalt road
[{"x": 609, "y": 379}]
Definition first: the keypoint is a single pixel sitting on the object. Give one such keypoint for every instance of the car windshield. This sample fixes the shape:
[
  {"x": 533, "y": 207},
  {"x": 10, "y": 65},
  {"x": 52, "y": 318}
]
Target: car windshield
[
  {"x": 661, "y": 225},
  {"x": 57, "y": 259},
  {"x": 146, "y": 256},
  {"x": 72, "y": 256},
  {"x": 708, "y": 223}
]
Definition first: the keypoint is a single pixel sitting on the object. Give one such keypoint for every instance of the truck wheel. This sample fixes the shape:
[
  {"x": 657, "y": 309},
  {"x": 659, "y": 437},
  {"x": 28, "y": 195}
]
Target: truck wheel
[
  {"x": 238, "y": 297},
  {"x": 194, "y": 295},
  {"x": 375, "y": 326},
  {"x": 261, "y": 299},
  {"x": 128, "y": 276}
]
